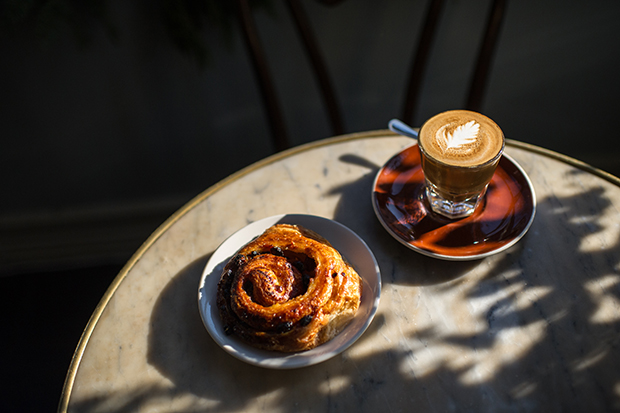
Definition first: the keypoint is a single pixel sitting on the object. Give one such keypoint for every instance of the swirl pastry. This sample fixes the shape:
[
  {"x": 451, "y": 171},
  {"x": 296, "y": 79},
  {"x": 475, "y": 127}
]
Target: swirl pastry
[{"x": 287, "y": 290}]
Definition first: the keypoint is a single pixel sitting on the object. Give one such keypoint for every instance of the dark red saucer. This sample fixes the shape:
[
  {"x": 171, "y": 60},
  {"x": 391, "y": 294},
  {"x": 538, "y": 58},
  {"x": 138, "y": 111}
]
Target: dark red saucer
[{"x": 499, "y": 221}]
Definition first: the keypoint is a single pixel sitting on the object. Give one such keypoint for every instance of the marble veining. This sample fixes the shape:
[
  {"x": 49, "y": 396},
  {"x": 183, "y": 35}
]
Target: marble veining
[{"x": 535, "y": 328}]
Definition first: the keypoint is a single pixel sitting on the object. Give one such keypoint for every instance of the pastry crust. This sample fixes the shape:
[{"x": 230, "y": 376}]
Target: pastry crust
[{"x": 288, "y": 290}]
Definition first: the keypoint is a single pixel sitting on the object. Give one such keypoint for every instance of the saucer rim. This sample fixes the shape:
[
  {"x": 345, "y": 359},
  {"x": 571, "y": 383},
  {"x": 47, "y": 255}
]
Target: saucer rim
[{"x": 446, "y": 257}]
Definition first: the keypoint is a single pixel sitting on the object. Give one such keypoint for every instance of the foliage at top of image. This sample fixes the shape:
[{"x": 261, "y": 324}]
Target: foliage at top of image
[
  {"x": 48, "y": 20},
  {"x": 185, "y": 21}
]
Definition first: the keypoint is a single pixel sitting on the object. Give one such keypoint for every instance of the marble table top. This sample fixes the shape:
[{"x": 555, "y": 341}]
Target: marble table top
[{"x": 533, "y": 328}]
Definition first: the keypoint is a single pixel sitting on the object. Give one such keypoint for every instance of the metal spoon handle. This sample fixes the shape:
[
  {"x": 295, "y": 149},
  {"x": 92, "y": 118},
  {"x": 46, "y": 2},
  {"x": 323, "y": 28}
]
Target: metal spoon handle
[{"x": 402, "y": 128}]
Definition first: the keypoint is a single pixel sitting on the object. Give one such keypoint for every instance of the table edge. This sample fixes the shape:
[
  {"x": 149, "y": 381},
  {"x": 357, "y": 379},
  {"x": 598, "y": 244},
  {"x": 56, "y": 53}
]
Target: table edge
[{"x": 92, "y": 322}]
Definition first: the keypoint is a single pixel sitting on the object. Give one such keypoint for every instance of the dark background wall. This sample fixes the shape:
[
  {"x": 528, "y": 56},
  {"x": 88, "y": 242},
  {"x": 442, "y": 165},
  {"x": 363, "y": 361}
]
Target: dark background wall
[{"x": 115, "y": 126}]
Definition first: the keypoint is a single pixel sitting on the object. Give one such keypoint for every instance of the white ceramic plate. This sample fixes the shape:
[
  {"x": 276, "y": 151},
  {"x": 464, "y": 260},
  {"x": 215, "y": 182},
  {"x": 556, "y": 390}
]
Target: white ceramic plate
[{"x": 352, "y": 247}]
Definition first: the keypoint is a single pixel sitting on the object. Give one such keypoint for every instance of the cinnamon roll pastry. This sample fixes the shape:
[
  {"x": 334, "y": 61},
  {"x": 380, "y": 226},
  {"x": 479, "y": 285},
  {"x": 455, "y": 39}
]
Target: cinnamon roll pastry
[{"x": 288, "y": 290}]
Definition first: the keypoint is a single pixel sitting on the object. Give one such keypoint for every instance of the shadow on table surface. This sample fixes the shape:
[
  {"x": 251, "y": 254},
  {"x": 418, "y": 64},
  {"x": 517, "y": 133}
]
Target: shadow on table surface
[
  {"x": 570, "y": 366},
  {"x": 571, "y": 361}
]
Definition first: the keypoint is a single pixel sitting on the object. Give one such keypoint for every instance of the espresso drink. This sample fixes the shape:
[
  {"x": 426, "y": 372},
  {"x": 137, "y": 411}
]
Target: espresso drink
[{"x": 460, "y": 150}]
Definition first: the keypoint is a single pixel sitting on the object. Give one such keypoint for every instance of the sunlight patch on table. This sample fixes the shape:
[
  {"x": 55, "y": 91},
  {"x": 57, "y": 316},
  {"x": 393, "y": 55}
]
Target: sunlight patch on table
[
  {"x": 603, "y": 230},
  {"x": 335, "y": 385},
  {"x": 508, "y": 349},
  {"x": 601, "y": 293},
  {"x": 482, "y": 333},
  {"x": 591, "y": 359},
  {"x": 523, "y": 389}
]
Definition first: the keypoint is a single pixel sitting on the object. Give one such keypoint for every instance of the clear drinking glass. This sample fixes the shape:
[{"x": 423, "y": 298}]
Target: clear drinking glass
[{"x": 460, "y": 151}]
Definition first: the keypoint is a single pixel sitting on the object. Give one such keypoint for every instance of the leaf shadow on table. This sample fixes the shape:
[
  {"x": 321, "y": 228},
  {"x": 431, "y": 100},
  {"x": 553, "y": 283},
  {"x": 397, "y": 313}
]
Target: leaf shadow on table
[
  {"x": 565, "y": 293},
  {"x": 568, "y": 362}
]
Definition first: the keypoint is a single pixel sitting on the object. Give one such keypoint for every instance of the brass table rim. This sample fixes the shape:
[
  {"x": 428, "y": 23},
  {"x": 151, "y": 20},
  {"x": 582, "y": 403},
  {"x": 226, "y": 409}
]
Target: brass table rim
[{"x": 92, "y": 322}]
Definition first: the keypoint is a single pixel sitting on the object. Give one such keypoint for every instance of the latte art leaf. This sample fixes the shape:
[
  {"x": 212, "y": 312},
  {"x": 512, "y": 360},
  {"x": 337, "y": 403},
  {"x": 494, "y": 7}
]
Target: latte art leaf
[{"x": 462, "y": 135}]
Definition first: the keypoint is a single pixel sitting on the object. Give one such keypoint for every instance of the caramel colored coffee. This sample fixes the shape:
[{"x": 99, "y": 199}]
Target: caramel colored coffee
[
  {"x": 460, "y": 150},
  {"x": 461, "y": 138}
]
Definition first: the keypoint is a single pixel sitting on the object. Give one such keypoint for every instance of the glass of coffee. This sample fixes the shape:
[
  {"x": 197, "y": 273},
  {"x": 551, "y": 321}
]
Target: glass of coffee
[{"x": 460, "y": 150}]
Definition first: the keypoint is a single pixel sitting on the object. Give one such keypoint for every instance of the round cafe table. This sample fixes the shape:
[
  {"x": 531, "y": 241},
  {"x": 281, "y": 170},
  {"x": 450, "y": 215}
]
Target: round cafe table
[{"x": 535, "y": 327}]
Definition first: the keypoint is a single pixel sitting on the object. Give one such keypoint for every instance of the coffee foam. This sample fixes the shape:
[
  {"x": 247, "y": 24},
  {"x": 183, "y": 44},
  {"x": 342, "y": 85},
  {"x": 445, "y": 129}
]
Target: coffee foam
[{"x": 461, "y": 137}]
